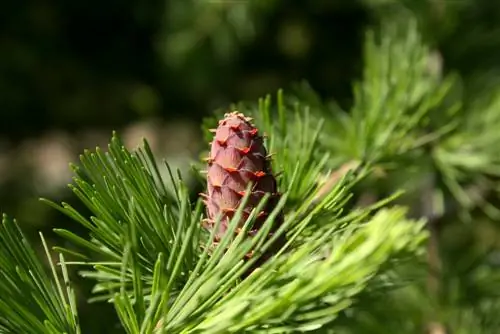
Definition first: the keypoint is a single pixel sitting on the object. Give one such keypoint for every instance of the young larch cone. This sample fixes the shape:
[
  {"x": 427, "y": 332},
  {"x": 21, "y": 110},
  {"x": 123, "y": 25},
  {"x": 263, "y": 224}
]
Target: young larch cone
[{"x": 238, "y": 157}]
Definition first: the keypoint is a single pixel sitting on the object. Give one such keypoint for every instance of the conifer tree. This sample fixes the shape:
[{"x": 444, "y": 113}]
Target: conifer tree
[{"x": 368, "y": 198}]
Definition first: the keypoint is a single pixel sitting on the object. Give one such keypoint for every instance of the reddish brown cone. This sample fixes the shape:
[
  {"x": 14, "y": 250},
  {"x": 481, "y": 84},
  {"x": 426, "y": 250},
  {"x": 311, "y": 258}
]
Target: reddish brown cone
[{"x": 238, "y": 157}]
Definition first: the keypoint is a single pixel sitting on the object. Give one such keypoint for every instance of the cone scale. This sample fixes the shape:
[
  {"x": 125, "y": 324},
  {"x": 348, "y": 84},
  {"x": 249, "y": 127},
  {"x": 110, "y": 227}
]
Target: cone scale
[{"x": 237, "y": 158}]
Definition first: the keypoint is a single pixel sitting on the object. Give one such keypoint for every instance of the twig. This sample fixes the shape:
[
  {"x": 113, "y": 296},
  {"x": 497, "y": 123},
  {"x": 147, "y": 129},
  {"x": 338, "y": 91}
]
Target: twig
[
  {"x": 334, "y": 178},
  {"x": 433, "y": 256}
]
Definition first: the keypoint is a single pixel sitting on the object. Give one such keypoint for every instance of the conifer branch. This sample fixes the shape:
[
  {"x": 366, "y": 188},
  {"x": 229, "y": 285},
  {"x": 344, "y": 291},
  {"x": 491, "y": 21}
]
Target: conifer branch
[
  {"x": 31, "y": 300},
  {"x": 164, "y": 272}
]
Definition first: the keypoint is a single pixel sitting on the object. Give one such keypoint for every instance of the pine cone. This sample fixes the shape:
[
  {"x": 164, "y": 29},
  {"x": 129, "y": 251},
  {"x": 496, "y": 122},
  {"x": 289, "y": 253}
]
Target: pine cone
[{"x": 238, "y": 157}]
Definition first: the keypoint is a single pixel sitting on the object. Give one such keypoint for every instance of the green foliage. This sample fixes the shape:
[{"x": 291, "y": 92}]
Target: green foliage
[
  {"x": 408, "y": 116},
  {"x": 309, "y": 291},
  {"x": 154, "y": 271},
  {"x": 217, "y": 25},
  {"x": 391, "y": 104},
  {"x": 207, "y": 295},
  {"x": 135, "y": 218},
  {"x": 469, "y": 154},
  {"x": 31, "y": 300},
  {"x": 346, "y": 265}
]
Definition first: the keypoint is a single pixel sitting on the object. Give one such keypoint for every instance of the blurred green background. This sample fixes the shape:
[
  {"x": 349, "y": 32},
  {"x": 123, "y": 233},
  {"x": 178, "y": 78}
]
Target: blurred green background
[{"x": 73, "y": 71}]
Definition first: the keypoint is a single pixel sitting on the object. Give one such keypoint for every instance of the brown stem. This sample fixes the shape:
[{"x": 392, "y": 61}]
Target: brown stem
[
  {"x": 334, "y": 178},
  {"x": 433, "y": 256}
]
